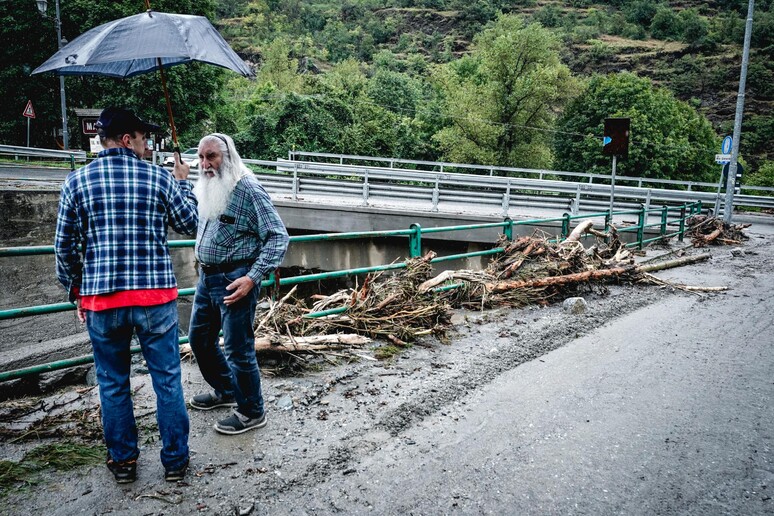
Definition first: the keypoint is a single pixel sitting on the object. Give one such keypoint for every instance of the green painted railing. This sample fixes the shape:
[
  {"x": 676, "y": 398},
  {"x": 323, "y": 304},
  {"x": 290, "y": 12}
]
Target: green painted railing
[{"x": 414, "y": 235}]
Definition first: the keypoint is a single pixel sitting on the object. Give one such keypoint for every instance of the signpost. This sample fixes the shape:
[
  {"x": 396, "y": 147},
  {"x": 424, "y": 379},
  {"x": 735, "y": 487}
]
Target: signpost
[
  {"x": 615, "y": 143},
  {"x": 724, "y": 158},
  {"x": 28, "y": 112}
]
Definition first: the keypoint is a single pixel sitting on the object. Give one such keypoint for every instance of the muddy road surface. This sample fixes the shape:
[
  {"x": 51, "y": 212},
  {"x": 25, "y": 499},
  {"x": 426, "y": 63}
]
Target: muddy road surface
[{"x": 653, "y": 401}]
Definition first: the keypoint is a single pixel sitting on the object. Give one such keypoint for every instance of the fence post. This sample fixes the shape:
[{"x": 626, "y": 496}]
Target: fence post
[
  {"x": 565, "y": 225},
  {"x": 682, "y": 222},
  {"x": 647, "y": 200},
  {"x": 295, "y": 181},
  {"x": 365, "y": 189},
  {"x": 664, "y": 217},
  {"x": 508, "y": 229},
  {"x": 507, "y": 199},
  {"x": 415, "y": 241},
  {"x": 641, "y": 225},
  {"x": 436, "y": 193},
  {"x": 576, "y": 205}
]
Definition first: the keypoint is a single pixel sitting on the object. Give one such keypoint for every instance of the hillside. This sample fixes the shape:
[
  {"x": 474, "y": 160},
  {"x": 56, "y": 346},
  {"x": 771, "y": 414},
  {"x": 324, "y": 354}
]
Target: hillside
[{"x": 692, "y": 48}]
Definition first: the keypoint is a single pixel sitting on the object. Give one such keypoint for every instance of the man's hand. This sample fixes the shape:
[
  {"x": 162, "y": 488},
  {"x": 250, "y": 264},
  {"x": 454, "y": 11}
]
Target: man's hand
[
  {"x": 181, "y": 169},
  {"x": 80, "y": 311},
  {"x": 242, "y": 285}
]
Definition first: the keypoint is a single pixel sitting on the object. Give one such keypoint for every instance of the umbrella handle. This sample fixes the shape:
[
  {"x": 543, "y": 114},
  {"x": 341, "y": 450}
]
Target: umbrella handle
[{"x": 169, "y": 107}]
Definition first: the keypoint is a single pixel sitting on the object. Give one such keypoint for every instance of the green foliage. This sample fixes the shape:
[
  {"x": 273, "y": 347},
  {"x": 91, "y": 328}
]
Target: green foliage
[
  {"x": 695, "y": 28},
  {"x": 666, "y": 24},
  {"x": 62, "y": 456},
  {"x": 764, "y": 176},
  {"x": 502, "y": 98},
  {"x": 313, "y": 123},
  {"x": 30, "y": 40},
  {"x": 669, "y": 139},
  {"x": 640, "y": 12},
  {"x": 395, "y": 92}
]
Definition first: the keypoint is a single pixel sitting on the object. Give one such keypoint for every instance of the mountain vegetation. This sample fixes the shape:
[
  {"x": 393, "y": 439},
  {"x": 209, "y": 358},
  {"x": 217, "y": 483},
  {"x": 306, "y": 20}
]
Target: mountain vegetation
[{"x": 519, "y": 83}]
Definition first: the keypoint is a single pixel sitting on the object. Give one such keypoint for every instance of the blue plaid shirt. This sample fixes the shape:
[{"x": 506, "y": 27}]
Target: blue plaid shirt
[
  {"x": 250, "y": 230},
  {"x": 118, "y": 208}
]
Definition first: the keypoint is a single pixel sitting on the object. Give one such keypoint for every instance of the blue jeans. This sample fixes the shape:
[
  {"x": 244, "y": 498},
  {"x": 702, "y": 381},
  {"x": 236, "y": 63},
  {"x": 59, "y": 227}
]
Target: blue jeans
[
  {"x": 232, "y": 371},
  {"x": 111, "y": 334}
]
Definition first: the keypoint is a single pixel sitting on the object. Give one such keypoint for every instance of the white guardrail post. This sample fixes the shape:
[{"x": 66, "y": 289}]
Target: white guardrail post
[{"x": 436, "y": 193}]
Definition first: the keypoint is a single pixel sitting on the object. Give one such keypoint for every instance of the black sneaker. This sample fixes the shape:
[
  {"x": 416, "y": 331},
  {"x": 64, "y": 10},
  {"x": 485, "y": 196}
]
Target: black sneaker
[
  {"x": 236, "y": 423},
  {"x": 173, "y": 475},
  {"x": 209, "y": 401},
  {"x": 124, "y": 472}
]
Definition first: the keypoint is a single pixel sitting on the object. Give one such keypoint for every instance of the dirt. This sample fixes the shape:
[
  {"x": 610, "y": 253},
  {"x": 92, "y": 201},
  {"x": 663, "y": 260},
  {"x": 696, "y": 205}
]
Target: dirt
[{"x": 339, "y": 435}]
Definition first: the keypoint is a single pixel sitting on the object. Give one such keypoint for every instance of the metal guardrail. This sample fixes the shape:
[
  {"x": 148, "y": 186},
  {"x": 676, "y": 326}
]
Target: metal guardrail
[
  {"x": 433, "y": 188},
  {"x": 33, "y": 152},
  {"x": 491, "y": 170},
  {"x": 414, "y": 234}
]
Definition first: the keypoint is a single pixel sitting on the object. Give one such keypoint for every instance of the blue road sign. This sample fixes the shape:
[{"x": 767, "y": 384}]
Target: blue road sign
[
  {"x": 606, "y": 140},
  {"x": 725, "y": 148}
]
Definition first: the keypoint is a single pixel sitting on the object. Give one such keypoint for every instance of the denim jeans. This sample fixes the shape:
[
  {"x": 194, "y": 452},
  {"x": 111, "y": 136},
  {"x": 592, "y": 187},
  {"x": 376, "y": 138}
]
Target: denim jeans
[
  {"x": 111, "y": 334},
  {"x": 232, "y": 371}
]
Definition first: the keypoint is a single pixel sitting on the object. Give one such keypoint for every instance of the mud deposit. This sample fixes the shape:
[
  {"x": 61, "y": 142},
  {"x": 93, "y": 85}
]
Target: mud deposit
[{"x": 652, "y": 401}]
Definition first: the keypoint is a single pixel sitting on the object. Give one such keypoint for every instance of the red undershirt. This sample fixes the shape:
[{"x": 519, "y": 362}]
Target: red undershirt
[{"x": 125, "y": 298}]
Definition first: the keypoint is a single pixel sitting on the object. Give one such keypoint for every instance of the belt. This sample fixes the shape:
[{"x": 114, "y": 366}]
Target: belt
[{"x": 223, "y": 267}]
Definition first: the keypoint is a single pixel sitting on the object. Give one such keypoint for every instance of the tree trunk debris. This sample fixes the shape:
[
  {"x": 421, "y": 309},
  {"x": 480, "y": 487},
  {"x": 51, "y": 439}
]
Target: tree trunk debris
[{"x": 400, "y": 307}]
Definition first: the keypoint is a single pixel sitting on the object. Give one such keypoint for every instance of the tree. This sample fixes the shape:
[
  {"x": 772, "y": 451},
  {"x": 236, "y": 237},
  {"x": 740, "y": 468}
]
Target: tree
[
  {"x": 666, "y": 24},
  {"x": 669, "y": 139},
  {"x": 314, "y": 123},
  {"x": 500, "y": 102},
  {"x": 30, "y": 39}
]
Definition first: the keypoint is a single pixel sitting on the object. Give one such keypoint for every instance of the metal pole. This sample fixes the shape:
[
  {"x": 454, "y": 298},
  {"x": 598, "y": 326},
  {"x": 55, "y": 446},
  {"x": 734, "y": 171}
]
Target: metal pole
[
  {"x": 28, "y": 133},
  {"x": 65, "y": 133},
  {"x": 612, "y": 186},
  {"x": 731, "y": 179}
]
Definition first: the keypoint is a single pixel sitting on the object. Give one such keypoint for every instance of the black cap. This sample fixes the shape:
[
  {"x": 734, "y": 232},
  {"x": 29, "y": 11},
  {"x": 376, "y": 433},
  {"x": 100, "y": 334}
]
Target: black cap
[{"x": 116, "y": 121}]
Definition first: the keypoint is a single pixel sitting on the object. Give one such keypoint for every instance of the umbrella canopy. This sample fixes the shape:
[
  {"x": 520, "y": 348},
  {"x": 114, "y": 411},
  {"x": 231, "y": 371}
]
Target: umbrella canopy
[{"x": 135, "y": 45}]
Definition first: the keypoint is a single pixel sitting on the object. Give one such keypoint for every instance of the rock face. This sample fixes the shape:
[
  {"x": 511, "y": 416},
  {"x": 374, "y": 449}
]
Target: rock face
[{"x": 575, "y": 305}]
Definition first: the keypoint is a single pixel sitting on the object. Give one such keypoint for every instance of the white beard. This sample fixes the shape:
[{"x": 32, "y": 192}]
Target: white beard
[{"x": 213, "y": 194}]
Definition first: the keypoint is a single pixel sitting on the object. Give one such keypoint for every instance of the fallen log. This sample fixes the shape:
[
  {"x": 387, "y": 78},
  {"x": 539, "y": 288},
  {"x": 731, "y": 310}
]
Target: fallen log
[
  {"x": 581, "y": 277},
  {"x": 579, "y": 231},
  {"x": 309, "y": 343}
]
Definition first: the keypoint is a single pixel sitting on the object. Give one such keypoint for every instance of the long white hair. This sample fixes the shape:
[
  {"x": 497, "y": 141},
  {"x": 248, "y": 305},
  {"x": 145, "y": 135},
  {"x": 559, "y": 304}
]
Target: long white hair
[{"x": 214, "y": 193}]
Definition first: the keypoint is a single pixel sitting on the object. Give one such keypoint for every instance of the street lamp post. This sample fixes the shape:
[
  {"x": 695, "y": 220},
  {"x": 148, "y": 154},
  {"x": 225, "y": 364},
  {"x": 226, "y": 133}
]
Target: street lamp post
[{"x": 42, "y": 6}]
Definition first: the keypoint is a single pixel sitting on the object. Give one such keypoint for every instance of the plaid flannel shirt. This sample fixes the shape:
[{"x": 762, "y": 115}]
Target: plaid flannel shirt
[
  {"x": 118, "y": 208},
  {"x": 250, "y": 230}
]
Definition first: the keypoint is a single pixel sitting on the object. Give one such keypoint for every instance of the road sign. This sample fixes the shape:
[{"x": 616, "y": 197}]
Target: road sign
[
  {"x": 29, "y": 111},
  {"x": 725, "y": 148},
  {"x": 616, "y": 137},
  {"x": 739, "y": 172},
  {"x": 89, "y": 125},
  {"x": 722, "y": 158}
]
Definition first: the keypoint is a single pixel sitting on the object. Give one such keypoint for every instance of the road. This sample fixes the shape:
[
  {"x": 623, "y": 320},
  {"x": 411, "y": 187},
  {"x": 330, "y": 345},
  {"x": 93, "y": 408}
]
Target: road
[{"x": 654, "y": 401}]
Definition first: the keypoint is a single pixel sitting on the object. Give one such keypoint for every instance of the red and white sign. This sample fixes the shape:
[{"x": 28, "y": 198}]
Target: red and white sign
[
  {"x": 89, "y": 125},
  {"x": 29, "y": 111}
]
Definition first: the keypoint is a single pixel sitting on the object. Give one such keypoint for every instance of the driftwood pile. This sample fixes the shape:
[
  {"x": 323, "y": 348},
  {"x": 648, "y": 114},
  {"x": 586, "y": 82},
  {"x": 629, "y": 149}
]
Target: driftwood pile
[
  {"x": 405, "y": 305},
  {"x": 706, "y": 231}
]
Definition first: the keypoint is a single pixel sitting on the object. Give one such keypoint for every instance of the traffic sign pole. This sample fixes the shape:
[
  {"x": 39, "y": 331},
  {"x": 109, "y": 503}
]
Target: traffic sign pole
[
  {"x": 28, "y": 131},
  {"x": 612, "y": 188},
  {"x": 731, "y": 179}
]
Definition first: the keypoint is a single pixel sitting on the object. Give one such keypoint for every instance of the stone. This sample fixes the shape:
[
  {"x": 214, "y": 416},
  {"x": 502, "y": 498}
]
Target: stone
[
  {"x": 575, "y": 305},
  {"x": 285, "y": 402}
]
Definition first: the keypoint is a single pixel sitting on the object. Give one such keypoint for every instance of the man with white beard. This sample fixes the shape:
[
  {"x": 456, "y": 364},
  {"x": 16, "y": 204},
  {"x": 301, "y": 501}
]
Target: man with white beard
[{"x": 240, "y": 240}]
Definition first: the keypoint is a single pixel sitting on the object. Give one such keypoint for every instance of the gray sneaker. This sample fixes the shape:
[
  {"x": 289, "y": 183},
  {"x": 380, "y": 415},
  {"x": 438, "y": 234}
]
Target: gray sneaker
[
  {"x": 210, "y": 400},
  {"x": 236, "y": 423}
]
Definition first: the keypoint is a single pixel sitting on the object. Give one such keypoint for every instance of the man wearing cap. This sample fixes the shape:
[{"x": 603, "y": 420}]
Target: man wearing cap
[
  {"x": 112, "y": 257},
  {"x": 241, "y": 239}
]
